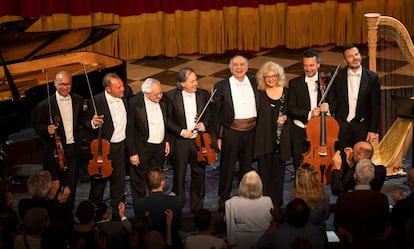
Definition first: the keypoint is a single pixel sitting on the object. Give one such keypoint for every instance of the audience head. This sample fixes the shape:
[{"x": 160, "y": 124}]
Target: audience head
[
  {"x": 35, "y": 221},
  {"x": 311, "y": 62},
  {"x": 270, "y": 74},
  {"x": 308, "y": 186},
  {"x": 85, "y": 211},
  {"x": 238, "y": 66},
  {"x": 364, "y": 172},
  {"x": 155, "y": 178},
  {"x": 39, "y": 184},
  {"x": 153, "y": 240},
  {"x": 140, "y": 226},
  {"x": 362, "y": 150},
  {"x": 187, "y": 80},
  {"x": 151, "y": 88},
  {"x": 297, "y": 212},
  {"x": 202, "y": 219},
  {"x": 251, "y": 186},
  {"x": 101, "y": 211}
]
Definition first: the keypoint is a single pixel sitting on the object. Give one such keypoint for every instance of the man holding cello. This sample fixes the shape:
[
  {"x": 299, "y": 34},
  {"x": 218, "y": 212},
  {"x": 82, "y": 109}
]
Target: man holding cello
[
  {"x": 57, "y": 119},
  {"x": 185, "y": 103}
]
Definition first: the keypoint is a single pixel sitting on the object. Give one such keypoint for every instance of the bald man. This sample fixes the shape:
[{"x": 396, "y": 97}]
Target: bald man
[{"x": 344, "y": 168}]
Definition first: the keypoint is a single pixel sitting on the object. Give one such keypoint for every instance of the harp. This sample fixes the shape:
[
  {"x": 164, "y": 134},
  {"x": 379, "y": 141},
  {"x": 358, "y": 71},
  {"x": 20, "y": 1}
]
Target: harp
[{"x": 395, "y": 143}]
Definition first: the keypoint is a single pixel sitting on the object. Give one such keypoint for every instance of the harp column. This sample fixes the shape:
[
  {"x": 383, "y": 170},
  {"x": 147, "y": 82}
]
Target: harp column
[{"x": 372, "y": 24}]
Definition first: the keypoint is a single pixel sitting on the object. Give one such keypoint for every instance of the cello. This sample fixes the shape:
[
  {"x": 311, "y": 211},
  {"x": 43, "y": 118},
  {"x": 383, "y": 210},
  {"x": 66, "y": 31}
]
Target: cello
[
  {"x": 322, "y": 133},
  {"x": 205, "y": 152},
  {"x": 100, "y": 166}
]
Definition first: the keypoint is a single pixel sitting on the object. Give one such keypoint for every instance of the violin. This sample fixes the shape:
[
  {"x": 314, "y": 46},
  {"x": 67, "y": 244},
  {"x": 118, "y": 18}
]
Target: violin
[
  {"x": 59, "y": 153},
  {"x": 205, "y": 152},
  {"x": 322, "y": 133},
  {"x": 203, "y": 140},
  {"x": 99, "y": 166}
]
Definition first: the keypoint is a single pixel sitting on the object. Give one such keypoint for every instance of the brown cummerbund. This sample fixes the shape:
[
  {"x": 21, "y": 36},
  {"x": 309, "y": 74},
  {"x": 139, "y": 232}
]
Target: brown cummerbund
[{"x": 243, "y": 124}]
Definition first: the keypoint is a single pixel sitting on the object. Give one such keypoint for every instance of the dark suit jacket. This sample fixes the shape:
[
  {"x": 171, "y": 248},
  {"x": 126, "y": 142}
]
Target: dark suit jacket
[
  {"x": 368, "y": 104},
  {"x": 298, "y": 99},
  {"x": 41, "y": 119},
  {"x": 138, "y": 130},
  {"x": 156, "y": 203},
  {"x": 117, "y": 233},
  {"x": 102, "y": 108},
  {"x": 363, "y": 213},
  {"x": 176, "y": 112},
  {"x": 223, "y": 108},
  {"x": 402, "y": 211}
]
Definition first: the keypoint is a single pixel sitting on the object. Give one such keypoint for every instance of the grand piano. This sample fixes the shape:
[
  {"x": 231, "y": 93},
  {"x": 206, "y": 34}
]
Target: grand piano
[{"x": 25, "y": 56}]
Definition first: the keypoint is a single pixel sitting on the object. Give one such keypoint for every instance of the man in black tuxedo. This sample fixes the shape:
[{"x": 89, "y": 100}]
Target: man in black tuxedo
[
  {"x": 68, "y": 108},
  {"x": 355, "y": 100},
  {"x": 111, "y": 117},
  {"x": 235, "y": 112},
  {"x": 302, "y": 104},
  {"x": 147, "y": 134},
  {"x": 185, "y": 103}
]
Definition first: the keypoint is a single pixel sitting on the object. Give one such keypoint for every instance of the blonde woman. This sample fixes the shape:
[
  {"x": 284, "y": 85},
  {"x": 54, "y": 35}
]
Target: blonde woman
[
  {"x": 272, "y": 141},
  {"x": 308, "y": 188},
  {"x": 248, "y": 214}
]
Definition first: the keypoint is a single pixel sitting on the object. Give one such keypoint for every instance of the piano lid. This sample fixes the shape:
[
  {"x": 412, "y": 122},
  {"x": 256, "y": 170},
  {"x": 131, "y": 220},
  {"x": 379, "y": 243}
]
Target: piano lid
[{"x": 18, "y": 45}]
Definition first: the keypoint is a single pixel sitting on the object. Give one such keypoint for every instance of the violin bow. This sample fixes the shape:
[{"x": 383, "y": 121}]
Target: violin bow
[
  {"x": 205, "y": 107},
  {"x": 48, "y": 96},
  {"x": 90, "y": 89},
  {"x": 325, "y": 93}
]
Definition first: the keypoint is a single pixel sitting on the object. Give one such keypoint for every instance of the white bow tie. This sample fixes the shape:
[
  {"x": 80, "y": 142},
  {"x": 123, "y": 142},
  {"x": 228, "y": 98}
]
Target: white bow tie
[{"x": 63, "y": 98}]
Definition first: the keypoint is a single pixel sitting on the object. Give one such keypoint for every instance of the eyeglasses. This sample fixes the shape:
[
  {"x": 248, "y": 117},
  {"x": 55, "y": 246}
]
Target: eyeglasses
[
  {"x": 271, "y": 76},
  {"x": 65, "y": 84}
]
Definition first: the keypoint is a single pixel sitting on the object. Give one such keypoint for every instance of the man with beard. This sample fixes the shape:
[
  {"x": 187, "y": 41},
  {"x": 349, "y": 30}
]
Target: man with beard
[{"x": 354, "y": 100}]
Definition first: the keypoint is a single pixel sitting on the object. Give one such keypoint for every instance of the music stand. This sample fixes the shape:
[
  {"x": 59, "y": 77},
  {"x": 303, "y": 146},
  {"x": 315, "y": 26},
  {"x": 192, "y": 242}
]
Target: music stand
[{"x": 405, "y": 109}]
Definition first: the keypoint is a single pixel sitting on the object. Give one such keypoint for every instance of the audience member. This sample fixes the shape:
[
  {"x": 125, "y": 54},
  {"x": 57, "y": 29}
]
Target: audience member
[
  {"x": 8, "y": 217},
  {"x": 248, "y": 214},
  {"x": 117, "y": 232},
  {"x": 49, "y": 195},
  {"x": 204, "y": 239},
  {"x": 157, "y": 204},
  {"x": 297, "y": 228},
  {"x": 140, "y": 226},
  {"x": 363, "y": 213},
  {"x": 402, "y": 212},
  {"x": 344, "y": 168},
  {"x": 308, "y": 187},
  {"x": 87, "y": 235},
  {"x": 35, "y": 222}
]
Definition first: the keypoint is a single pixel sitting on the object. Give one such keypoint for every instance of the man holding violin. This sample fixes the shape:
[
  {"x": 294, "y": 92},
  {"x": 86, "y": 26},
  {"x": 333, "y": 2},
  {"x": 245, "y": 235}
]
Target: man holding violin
[
  {"x": 57, "y": 119},
  {"x": 185, "y": 103}
]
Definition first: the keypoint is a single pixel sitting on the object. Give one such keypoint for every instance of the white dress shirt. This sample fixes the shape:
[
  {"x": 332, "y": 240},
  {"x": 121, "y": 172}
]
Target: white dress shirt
[
  {"x": 119, "y": 118},
  {"x": 354, "y": 82},
  {"x": 244, "y": 102},
  {"x": 155, "y": 119},
  {"x": 312, "y": 84},
  {"x": 66, "y": 113}
]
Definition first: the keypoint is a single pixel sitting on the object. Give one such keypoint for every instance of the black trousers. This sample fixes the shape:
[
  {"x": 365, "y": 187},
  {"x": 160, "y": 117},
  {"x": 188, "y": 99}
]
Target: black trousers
[
  {"x": 299, "y": 145},
  {"x": 352, "y": 132},
  {"x": 272, "y": 173},
  {"x": 150, "y": 156},
  {"x": 236, "y": 146},
  {"x": 117, "y": 180},
  {"x": 184, "y": 153}
]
